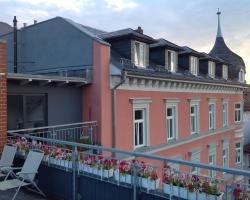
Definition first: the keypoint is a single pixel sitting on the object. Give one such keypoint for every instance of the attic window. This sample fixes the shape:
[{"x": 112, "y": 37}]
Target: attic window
[
  {"x": 225, "y": 72},
  {"x": 171, "y": 61},
  {"x": 241, "y": 76},
  {"x": 140, "y": 54},
  {"x": 194, "y": 65},
  {"x": 211, "y": 69}
]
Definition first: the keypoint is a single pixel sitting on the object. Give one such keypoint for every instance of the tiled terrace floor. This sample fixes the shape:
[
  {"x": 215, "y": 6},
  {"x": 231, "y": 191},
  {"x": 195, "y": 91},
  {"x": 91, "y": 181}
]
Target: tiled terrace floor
[{"x": 23, "y": 195}]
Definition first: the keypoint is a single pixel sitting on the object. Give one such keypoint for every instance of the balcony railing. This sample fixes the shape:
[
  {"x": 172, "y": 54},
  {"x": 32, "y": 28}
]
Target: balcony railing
[{"x": 147, "y": 174}]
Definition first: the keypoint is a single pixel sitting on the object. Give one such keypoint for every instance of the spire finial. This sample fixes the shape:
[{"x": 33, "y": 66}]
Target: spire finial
[{"x": 219, "y": 34}]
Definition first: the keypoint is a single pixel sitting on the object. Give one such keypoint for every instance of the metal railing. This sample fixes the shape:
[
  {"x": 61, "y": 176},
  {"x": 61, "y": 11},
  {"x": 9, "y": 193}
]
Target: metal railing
[
  {"x": 82, "y": 132},
  {"x": 91, "y": 161}
]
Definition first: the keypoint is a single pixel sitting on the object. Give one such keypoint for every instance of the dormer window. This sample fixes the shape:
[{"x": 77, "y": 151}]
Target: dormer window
[
  {"x": 211, "y": 69},
  {"x": 241, "y": 76},
  {"x": 225, "y": 72},
  {"x": 140, "y": 54},
  {"x": 171, "y": 60},
  {"x": 194, "y": 65}
]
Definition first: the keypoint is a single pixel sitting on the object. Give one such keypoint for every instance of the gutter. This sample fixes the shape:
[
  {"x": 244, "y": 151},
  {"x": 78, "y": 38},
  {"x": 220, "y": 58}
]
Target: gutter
[{"x": 123, "y": 78}]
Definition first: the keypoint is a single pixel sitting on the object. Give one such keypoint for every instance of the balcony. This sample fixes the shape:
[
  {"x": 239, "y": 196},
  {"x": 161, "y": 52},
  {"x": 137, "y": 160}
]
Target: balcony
[{"x": 74, "y": 170}]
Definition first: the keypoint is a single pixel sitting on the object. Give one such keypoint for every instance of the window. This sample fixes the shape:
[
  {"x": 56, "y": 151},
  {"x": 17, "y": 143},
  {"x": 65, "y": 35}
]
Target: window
[
  {"x": 194, "y": 119},
  {"x": 195, "y": 157},
  {"x": 171, "y": 122},
  {"x": 211, "y": 69},
  {"x": 238, "y": 153},
  {"x": 225, "y": 156},
  {"x": 225, "y": 72},
  {"x": 237, "y": 112},
  {"x": 241, "y": 76},
  {"x": 224, "y": 113},
  {"x": 211, "y": 118},
  {"x": 211, "y": 161},
  {"x": 171, "y": 60},
  {"x": 194, "y": 65},
  {"x": 140, "y": 118},
  {"x": 140, "y": 54},
  {"x": 139, "y": 127}
]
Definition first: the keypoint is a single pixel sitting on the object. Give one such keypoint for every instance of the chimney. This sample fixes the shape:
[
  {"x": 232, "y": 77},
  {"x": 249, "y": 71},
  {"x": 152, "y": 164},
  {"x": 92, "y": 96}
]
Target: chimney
[
  {"x": 35, "y": 21},
  {"x": 139, "y": 30},
  {"x": 24, "y": 25},
  {"x": 15, "y": 43}
]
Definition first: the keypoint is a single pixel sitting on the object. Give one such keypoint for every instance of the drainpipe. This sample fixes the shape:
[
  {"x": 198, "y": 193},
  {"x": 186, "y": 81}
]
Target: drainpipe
[
  {"x": 15, "y": 43},
  {"x": 123, "y": 78}
]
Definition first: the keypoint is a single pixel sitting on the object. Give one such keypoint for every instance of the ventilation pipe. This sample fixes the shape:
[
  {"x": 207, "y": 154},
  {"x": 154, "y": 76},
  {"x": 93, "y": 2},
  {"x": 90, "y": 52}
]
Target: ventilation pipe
[{"x": 15, "y": 43}]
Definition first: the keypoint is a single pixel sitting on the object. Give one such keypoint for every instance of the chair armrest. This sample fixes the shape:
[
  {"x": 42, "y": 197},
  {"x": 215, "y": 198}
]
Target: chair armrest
[{"x": 20, "y": 173}]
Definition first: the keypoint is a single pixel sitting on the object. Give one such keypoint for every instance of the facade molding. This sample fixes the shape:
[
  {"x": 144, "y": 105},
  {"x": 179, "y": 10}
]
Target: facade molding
[{"x": 167, "y": 85}]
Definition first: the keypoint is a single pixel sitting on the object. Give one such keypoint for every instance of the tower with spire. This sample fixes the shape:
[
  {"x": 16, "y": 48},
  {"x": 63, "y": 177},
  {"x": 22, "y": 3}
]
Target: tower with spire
[{"x": 220, "y": 50}]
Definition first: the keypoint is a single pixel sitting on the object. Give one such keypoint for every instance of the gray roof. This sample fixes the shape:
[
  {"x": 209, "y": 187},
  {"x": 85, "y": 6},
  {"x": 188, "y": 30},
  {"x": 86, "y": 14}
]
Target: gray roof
[
  {"x": 5, "y": 28},
  {"x": 188, "y": 50},
  {"x": 221, "y": 50},
  {"x": 165, "y": 43},
  {"x": 124, "y": 33}
]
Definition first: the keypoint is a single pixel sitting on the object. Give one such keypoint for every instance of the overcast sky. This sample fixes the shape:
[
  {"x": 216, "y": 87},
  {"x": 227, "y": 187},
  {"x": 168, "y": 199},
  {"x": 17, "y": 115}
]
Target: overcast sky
[{"x": 185, "y": 22}]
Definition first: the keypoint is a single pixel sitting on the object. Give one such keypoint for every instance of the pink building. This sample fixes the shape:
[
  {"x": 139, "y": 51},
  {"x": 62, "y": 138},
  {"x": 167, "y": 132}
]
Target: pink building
[{"x": 151, "y": 95}]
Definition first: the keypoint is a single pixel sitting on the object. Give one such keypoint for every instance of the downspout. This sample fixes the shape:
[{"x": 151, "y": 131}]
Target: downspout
[
  {"x": 15, "y": 43},
  {"x": 123, "y": 78}
]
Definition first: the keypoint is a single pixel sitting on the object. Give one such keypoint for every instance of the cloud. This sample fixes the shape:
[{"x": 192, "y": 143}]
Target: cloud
[
  {"x": 120, "y": 5},
  {"x": 62, "y": 5}
]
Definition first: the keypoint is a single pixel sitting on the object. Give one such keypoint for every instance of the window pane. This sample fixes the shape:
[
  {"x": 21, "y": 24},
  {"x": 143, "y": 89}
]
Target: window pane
[
  {"x": 35, "y": 108},
  {"x": 138, "y": 114},
  {"x": 170, "y": 112},
  {"x": 140, "y": 133},
  {"x": 136, "y": 133}
]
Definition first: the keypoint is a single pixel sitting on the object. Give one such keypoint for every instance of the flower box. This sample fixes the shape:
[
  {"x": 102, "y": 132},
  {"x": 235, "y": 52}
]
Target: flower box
[
  {"x": 201, "y": 196},
  {"x": 116, "y": 175},
  {"x": 128, "y": 178},
  {"x": 46, "y": 158},
  {"x": 166, "y": 188},
  {"x": 175, "y": 191},
  {"x": 183, "y": 192},
  {"x": 191, "y": 195},
  {"x": 215, "y": 197},
  {"x": 108, "y": 173},
  {"x": 97, "y": 171},
  {"x": 150, "y": 184}
]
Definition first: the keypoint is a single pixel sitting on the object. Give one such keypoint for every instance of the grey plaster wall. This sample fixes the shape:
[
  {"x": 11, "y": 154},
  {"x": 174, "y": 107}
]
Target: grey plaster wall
[
  {"x": 50, "y": 44},
  {"x": 64, "y": 103}
]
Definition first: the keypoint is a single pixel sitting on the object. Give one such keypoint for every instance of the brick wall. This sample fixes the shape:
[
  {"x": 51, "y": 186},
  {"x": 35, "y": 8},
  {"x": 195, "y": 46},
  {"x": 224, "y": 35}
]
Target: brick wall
[{"x": 3, "y": 95}]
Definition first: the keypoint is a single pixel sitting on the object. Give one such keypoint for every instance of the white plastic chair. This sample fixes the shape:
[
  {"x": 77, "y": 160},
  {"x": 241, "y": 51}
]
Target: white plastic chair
[
  {"x": 7, "y": 157},
  {"x": 27, "y": 174}
]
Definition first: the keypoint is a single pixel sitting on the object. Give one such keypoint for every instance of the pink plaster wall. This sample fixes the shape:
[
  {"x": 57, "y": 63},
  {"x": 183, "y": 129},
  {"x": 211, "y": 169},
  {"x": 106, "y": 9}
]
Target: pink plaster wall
[
  {"x": 97, "y": 96},
  {"x": 157, "y": 113}
]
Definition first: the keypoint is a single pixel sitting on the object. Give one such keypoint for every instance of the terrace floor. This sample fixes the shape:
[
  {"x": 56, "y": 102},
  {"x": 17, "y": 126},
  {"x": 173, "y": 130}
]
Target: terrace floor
[{"x": 24, "y": 194}]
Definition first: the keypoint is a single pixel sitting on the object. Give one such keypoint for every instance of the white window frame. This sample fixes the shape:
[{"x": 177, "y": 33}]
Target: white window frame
[
  {"x": 194, "y": 65},
  {"x": 140, "y": 60},
  {"x": 212, "y": 154},
  {"x": 241, "y": 76},
  {"x": 211, "y": 69},
  {"x": 174, "y": 59},
  {"x": 225, "y": 72},
  {"x": 225, "y": 157},
  {"x": 212, "y": 115},
  {"x": 238, "y": 111},
  {"x": 238, "y": 153},
  {"x": 225, "y": 113},
  {"x": 195, "y": 158},
  {"x": 196, "y": 115},
  {"x": 172, "y": 104},
  {"x": 139, "y": 103}
]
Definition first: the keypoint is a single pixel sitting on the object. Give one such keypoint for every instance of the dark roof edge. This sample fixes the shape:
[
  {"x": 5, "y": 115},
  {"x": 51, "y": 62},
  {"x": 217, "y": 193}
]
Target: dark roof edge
[{"x": 238, "y": 85}]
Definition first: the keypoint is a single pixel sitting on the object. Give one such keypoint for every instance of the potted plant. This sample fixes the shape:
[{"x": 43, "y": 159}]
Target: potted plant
[
  {"x": 167, "y": 179},
  {"x": 108, "y": 167},
  {"x": 123, "y": 173},
  {"x": 154, "y": 180},
  {"x": 237, "y": 192}
]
